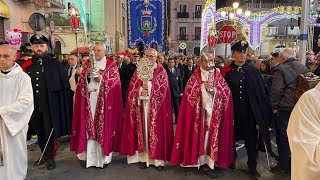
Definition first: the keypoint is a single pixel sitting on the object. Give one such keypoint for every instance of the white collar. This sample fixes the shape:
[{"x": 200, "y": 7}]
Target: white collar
[
  {"x": 13, "y": 67},
  {"x": 155, "y": 66},
  {"x": 101, "y": 64},
  {"x": 12, "y": 71}
]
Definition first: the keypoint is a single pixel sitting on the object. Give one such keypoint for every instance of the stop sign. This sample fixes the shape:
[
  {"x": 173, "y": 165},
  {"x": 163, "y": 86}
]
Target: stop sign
[{"x": 227, "y": 34}]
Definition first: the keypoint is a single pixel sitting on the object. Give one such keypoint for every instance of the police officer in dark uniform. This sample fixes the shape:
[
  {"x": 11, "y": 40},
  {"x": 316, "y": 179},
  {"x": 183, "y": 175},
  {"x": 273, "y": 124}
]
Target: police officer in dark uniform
[
  {"x": 249, "y": 101},
  {"x": 51, "y": 116}
]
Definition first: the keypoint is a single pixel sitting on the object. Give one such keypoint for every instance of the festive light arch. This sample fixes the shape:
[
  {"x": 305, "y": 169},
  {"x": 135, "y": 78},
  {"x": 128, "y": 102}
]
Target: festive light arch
[
  {"x": 255, "y": 26},
  {"x": 207, "y": 22}
]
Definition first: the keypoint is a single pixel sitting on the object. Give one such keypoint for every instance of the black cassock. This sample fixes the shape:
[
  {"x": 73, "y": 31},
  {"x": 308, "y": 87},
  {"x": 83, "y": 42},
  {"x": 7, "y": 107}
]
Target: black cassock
[{"x": 52, "y": 101}]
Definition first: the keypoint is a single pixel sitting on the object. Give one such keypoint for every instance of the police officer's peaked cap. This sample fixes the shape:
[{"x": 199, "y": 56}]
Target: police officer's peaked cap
[
  {"x": 240, "y": 46},
  {"x": 38, "y": 39}
]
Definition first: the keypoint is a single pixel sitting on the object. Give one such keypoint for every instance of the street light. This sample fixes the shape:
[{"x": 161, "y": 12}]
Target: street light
[
  {"x": 74, "y": 20},
  {"x": 235, "y": 5},
  {"x": 247, "y": 13}
]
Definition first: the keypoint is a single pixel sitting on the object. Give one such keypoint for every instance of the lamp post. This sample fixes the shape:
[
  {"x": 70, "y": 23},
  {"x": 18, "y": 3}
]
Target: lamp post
[
  {"x": 74, "y": 20},
  {"x": 231, "y": 14}
]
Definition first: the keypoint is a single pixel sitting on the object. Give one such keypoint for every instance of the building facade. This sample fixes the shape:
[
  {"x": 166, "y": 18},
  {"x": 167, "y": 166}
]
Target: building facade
[
  {"x": 15, "y": 15},
  {"x": 106, "y": 21},
  {"x": 185, "y": 26}
]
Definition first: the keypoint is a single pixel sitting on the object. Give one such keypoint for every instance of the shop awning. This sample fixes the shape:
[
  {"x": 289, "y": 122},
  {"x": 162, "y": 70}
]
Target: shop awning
[{"x": 4, "y": 10}]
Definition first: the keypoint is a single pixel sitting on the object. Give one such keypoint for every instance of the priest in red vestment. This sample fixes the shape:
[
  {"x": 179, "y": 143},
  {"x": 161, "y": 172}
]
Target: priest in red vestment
[
  {"x": 204, "y": 133},
  {"x": 147, "y": 134},
  {"x": 97, "y": 117}
]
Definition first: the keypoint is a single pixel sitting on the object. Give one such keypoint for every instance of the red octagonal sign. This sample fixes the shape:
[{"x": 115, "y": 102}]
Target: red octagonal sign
[{"x": 227, "y": 34}]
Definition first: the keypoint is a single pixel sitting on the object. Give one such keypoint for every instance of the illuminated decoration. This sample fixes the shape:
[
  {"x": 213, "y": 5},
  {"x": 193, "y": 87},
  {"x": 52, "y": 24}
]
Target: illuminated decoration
[
  {"x": 97, "y": 18},
  {"x": 254, "y": 27},
  {"x": 74, "y": 20},
  {"x": 207, "y": 22},
  {"x": 83, "y": 17},
  {"x": 147, "y": 24},
  {"x": 74, "y": 17}
]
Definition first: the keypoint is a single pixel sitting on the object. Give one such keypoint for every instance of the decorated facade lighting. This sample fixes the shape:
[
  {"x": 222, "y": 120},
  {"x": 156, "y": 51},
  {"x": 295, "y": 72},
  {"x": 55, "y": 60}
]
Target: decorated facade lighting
[
  {"x": 247, "y": 13},
  {"x": 235, "y": 5},
  {"x": 232, "y": 15},
  {"x": 223, "y": 14},
  {"x": 239, "y": 11}
]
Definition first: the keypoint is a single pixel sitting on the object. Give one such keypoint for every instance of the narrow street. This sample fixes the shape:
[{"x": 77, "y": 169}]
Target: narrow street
[{"x": 69, "y": 168}]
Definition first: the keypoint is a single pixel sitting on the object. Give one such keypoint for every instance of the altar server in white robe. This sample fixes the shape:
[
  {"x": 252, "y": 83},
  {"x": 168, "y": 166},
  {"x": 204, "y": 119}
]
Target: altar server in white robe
[
  {"x": 304, "y": 136},
  {"x": 16, "y": 107}
]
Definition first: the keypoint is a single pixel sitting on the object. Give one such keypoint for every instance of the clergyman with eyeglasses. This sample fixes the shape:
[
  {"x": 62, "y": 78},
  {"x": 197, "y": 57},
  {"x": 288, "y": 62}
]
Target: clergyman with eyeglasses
[
  {"x": 16, "y": 107},
  {"x": 148, "y": 131},
  {"x": 97, "y": 116}
]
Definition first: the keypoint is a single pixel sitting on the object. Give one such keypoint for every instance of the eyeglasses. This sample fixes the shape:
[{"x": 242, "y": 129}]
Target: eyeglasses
[
  {"x": 150, "y": 56},
  {"x": 5, "y": 56}
]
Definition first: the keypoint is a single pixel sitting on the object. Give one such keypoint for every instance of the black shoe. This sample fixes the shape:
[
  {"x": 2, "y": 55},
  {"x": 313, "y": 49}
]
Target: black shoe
[
  {"x": 143, "y": 165},
  {"x": 43, "y": 160},
  {"x": 277, "y": 171},
  {"x": 105, "y": 165},
  {"x": 254, "y": 173},
  {"x": 51, "y": 164},
  {"x": 232, "y": 166},
  {"x": 211, "y": 173},
  {"x": 160, "y": 168}
]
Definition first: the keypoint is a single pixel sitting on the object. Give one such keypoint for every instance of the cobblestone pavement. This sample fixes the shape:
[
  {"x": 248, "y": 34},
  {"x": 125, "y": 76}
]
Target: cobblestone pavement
[{"x": 69, "y": 168}]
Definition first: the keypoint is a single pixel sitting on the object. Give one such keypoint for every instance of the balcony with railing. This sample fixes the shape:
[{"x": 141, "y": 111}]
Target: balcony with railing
[
  {"x": 182, "y": 15},
  {"x": 263, "y": 6},
  {"x": 57, "y": 4},
  {"x": 182, "y": 37},
  {"x": 284, "y": 32},
  {"x": 196, "y": 37}
]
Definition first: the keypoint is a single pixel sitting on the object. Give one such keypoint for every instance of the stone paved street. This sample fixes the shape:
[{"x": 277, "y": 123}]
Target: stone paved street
[{"x": 69, "y": 168}]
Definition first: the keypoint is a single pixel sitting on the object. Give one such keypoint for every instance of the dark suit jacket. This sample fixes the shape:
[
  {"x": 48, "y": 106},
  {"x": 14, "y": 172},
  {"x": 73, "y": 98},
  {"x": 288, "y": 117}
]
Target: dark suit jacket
[
  {"x": 181, "y": 69},
  {"x": 131, "y": 68},
  {"x": 123, "y": 76},
  {"x": 187, "y": 74},
  {"x": 76, "y": 76},
  {"x": 175, "y": 81}
]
